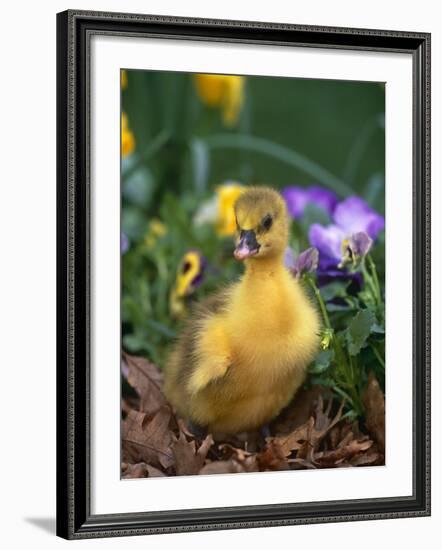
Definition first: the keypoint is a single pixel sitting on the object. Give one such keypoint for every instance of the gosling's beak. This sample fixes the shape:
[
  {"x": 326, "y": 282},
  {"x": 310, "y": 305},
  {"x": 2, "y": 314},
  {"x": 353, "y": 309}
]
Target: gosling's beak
[{"x": 247, "y": 246}]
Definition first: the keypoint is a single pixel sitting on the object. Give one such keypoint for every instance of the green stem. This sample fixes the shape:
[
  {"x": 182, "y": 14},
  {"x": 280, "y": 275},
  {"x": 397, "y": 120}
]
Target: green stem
[
  {"x": 284, "y": 154},
  {"x": 343, "y": 394},
  {"x": 378, "y": 356},
  {"x": 320, "y": 302},
  {"x": 374, "y": 275},
  {"x": 342, "y": 364},
  {"x": 371, "y": 283},
  {"x": 352, "y": 372}
]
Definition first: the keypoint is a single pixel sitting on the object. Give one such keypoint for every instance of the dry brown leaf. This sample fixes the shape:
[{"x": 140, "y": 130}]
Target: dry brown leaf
[
  {"x": 141, "y": 469},
  {"x": 148, "y": 439},
  {"x": 301, "y": 464},
  {"x": 307, "y": 437},
  {"x": 273, "y": 456},
  {"x": 229, "y": 451},
  {"x": 189, "y": 460},
  {"x": 130, "y": 471},
  {"x": 222, "y": 467},
  {"x": 147, "y": 380},
  {"x": 371, "y": 458},
  {"x": 374, "y": 403},
  {"x": 341, "y": 454},
  {"x": 154, "y": 472},
  {"x": 299, "y": 410},
  {"x": 347, "y": 439}
]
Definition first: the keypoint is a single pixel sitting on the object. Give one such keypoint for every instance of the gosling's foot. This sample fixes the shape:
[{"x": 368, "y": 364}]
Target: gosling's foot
[
  {"x": 200, "y": 432},
  {"x": 265, "y": 431}
]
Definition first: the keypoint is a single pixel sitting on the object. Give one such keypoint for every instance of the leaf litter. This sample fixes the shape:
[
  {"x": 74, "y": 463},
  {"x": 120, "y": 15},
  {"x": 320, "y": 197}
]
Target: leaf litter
[{"x": 311, "y": 433}]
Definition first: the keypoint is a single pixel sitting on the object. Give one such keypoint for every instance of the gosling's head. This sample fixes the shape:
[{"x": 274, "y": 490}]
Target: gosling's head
[{"x": 262, "y": 224}]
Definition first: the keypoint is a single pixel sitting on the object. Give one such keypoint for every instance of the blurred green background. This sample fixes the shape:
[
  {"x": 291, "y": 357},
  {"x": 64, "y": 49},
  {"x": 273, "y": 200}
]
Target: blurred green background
[{"x": 181, "y": 141}]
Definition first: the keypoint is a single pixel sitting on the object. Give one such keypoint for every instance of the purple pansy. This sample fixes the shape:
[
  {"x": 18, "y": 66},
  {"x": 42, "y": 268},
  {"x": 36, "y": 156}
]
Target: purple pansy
[
  {"x": 124, "y": 243},
  {"x": 306, "y": 262},
  {"x": 297, "y": 198},
  {"x": 350, "y": 217},
  {"x": 354, "y": 215},
  {"x": 360, "y": 244},
  {"x": 328, "y": 240}
]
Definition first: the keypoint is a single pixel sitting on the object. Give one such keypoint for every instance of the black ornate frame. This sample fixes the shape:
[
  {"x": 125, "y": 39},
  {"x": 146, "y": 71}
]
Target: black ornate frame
[{"x": 74, "y": 30}]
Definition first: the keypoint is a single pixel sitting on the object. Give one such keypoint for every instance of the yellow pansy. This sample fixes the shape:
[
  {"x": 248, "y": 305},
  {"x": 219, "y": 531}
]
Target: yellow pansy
[
  {"x": 221, "y": 91},
  {"x": 127, "y": 137},
  {"x": 219, "y": 209},
  {"x": 123, "y": 79},
  {"x": 189, "y": 276},
  {"x": 155, "y": 230},
  {"x": 227, "y": 195}
]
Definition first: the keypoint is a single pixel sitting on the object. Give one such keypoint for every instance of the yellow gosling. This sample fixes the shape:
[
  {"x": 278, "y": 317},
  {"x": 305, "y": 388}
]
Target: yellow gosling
[{"x": 244, "y": 352}]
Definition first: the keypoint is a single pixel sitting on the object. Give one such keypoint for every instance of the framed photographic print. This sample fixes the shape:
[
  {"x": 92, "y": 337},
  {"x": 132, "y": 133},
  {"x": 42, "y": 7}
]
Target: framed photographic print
[{"x": 243, "y": 274}]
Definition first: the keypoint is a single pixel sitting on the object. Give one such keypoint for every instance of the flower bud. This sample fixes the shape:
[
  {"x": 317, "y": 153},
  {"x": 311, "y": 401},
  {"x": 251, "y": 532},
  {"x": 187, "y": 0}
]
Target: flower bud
[
  {"x": 306, "y": 262},
  {"x": 355, "y": 248}
]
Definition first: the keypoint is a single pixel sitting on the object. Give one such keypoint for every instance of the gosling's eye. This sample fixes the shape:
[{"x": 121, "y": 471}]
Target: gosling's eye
[{"x": 267, "y": 222}]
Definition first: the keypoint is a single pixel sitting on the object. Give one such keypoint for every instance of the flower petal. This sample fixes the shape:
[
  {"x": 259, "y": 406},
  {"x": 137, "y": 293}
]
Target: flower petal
[
  {"x": 323, "y": 198},
  {"x": 227, "y": 194},
  {"x": 190, "y": 273},
  {"x": 353, "y": 215},
  {"x": 297, "y": 199},
  {"x": 124, "y": 243},
  {"x": 360, "y": 244},
  {"x": 306, "y": 262},
  {"x": 328, "y": 240}
]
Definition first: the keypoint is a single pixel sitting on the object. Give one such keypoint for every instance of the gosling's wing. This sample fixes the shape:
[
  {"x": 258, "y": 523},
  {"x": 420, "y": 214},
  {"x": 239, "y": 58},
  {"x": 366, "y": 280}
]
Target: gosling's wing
[{"x": 204, "y": 352}]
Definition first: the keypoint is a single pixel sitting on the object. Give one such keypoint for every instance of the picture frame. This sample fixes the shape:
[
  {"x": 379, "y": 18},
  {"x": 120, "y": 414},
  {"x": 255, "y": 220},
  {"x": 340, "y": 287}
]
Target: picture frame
[{"x": 75, "y": 518}]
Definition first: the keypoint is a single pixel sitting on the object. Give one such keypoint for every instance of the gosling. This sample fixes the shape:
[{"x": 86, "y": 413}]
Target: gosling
[{"x": 244, "y": 352}]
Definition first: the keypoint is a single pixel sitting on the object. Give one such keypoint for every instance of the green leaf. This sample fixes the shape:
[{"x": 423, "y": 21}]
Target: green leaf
[
  {"x": 374, "y": 189},
  {"x": 200, "y": 164},
  {"x": 326, "y": 381},
  {"x": 322, "y": 362},
  {"x": 284, "y": 154},
  {"x": 339, "y": 307},
  {"x": 359, "y": 330},
  {"x": 160, "y": 328},
  {"x": 377, "y": 329},
  {"x": 335, "y": 289}
]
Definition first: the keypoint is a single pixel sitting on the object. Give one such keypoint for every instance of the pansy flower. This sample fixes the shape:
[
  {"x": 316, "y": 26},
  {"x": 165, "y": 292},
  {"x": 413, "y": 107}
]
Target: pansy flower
[
  {"x": 225, "y": 92},
  {"x": 354, "y": 248},
  {"x": 189, "y": 276},
  {"x": 124, "y": 244},
  {"x": 351, "y": 217},
  {"x": 297, "y": 198},
  {"x": 305, "y": 262},
  {"x": 123, "y": 79},
  {"x": 127, "y": 137},
  {"x": 219, "y": 210}
]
